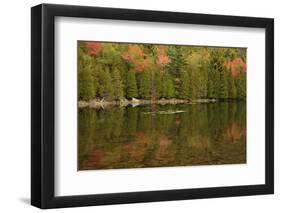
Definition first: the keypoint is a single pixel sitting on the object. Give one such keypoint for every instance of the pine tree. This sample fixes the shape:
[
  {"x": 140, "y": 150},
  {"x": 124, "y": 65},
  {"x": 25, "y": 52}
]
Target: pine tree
[
  {"x": 87, "y": 88},
  {"x": 117, "y": 84},
  {"x": 218, "y": 76},
  {"x": 210, "y": 85},
  {"x": 240, "y": 83},
  {"x": 157, "y": 82},
  {"x": 105, "y": 85},
  {"x": 186, "y": 86},
  {"x": 177, "y": 61},
  {"x": 144, "y": 85},
  {"x": 131, "y": 85},
  {"x": 168, "y": 88},
  {"x": 231, "y": 86},
  {"x": 223, "y": 85}
]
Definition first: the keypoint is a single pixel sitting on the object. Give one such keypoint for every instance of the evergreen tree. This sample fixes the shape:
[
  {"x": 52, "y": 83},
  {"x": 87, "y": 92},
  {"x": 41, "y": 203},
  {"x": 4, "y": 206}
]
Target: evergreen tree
[
  {"x": 105, "y": 89},
  {"x": 144, "y": 85},
  {"x": 240, "y": 83},
  {"x": 223, "y": 85},
  {"x": 210, "y": 88},
  {"x": 177, "y": 61},
  {"x": 157, "y": 82},
  {"x": 186, "y": 86},
  {"x": 231, "y": 86},
  {"x": 87, "y": 87},
  {"x": 168, "y": 88},
  {"x": 131, "y": 87},
  {"x": 213, "y": 83},
  {"x": 203, "y": 78},
  {"x": 218, "y": 73},
  {"x": 117, "y": 84}
]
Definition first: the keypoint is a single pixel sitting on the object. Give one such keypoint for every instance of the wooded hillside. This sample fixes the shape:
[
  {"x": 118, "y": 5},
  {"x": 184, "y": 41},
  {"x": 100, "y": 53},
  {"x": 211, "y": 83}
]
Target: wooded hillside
[{"x": 119, "y": 70}]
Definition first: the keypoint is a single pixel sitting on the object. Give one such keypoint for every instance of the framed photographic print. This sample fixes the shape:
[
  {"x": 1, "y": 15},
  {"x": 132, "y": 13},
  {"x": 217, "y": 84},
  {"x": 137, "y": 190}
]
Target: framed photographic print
[{"x": 139, "y": 106}]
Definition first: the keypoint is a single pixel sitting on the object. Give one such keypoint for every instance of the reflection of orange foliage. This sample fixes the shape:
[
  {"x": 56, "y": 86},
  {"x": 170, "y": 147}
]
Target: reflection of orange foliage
[
  {"x": 93, "y": 160},
  {"x": 178, "y": 121},
  {"x": 164, "y": 144},
  {"x": 235, "y": 65},
  {"x": 234, "y": 132},
  {"x": 137, "y": 148}
]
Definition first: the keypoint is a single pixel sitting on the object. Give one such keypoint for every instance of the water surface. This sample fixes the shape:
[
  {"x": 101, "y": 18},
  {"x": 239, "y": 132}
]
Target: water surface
[{"x": 157, "y": 136}]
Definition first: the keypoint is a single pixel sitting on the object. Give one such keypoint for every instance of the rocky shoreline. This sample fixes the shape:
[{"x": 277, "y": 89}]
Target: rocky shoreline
[{"x": 100, "y": 103}]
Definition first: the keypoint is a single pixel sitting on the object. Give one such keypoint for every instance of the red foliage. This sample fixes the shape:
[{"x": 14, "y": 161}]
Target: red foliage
[
  {"x": 94, "y": 48},
  {"x": 235, "y": 65}
]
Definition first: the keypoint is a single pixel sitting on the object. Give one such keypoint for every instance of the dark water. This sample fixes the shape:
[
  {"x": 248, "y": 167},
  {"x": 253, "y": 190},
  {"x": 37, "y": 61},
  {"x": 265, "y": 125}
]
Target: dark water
[{"x": 153, "y": 136}]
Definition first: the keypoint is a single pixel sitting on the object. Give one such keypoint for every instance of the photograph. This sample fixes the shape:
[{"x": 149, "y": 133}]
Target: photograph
[
  {"x": 133, "y": 105},
  {"x": 143, "y": 105}
]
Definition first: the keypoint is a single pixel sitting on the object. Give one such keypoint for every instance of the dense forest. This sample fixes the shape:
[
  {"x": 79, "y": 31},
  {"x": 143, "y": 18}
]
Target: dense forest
[{"x": 114, "y": 71}]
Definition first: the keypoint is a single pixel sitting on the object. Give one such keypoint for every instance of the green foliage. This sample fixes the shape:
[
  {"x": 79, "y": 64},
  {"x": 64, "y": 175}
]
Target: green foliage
[
  {"x": 87, "y": 86},
  {"x": 114, "y": 71},
  {"x": 186, "y": 86},
  {"x": 131, "y": 87},
  {"x": 168, "y": 88},
  {"x": 105, "y": 89},
  {"x": 117, "y": 84},
  {"x": 144, "y": 85},
  {"x": 157, "y": 82},
  {"x": 232, "y": 93},
  {"x": 223, "y": 86},
  {"x": 177, "y": 60},
  {"x": 240, "y": 83},
  {"x": 213, "y": 79}
]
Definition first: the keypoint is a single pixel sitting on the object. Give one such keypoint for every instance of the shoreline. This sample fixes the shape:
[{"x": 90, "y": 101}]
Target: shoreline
[{"x": 97, "y": 103}]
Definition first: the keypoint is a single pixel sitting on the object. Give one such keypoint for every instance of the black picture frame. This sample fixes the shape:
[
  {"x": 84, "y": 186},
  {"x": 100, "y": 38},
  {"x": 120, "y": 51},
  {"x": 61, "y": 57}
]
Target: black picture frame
[{"x": 43, "y": 105}]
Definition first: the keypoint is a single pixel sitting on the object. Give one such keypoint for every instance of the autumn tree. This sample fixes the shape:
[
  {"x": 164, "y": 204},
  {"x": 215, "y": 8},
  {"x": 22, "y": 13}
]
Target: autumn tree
[
  {"x": 136, "y": 57},
  {"x": 94, "y": 48},
  {"x": 148, "y": 71}
]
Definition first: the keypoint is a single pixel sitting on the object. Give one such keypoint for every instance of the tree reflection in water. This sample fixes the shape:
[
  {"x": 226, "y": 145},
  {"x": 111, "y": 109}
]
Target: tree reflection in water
[{"x": 203, "y": 134}]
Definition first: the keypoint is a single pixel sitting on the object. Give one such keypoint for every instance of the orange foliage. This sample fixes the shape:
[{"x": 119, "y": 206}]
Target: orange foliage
[
  {"x": 235, "y": 65},
  {"x": 162, "y": 57},
  {"x": 136, "y": 56}
]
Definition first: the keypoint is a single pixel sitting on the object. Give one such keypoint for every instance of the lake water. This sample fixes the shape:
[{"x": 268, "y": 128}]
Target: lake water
[{"x": 157, "y": 136}]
